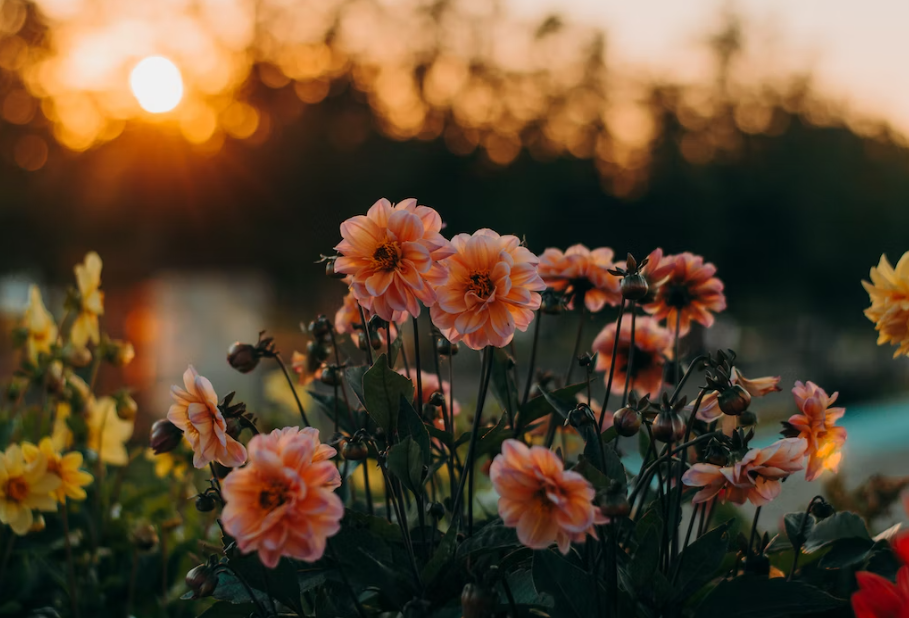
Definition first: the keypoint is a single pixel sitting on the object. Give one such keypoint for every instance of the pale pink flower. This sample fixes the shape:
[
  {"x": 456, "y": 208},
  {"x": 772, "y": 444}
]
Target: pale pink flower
[
  {"x": 581, "y": 272},
  {"x": 543, "y": 501},
  {"x": 492, "y": 289},
  {"x": 195, "y": 411},
  {"x": 282, "y": 502}
]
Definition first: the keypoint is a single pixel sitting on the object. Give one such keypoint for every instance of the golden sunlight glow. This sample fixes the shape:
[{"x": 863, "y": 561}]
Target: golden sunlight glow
[{"x": 157, "y": 84}]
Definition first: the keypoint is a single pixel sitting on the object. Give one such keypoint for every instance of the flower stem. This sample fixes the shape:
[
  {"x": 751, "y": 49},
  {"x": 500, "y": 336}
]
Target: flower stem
[
  {"x": 615, "y": 348},
  {"x": 799, "y": 541},
  {"x": 630, "y": 372},
  {"x": 388, "y": 344},
  {"x": 582, "y": 313},
  {"x": 533, "y": 360},
  {"x": 70, "y": 568},
  {"x": 366, "y": 333},
  {"x": 447, "y": 417},
  {"x": 131, "y": 590},
  {"x": 293, "y": 389},
  {"x": 350, "y": 412},
  {"x": 418, "y": 405},
  {"x": 485, "y": 371},
  {"x": 757, "y": 515},
  {"x": 366, "y": 488},
  {"x": 678, "y": 361}
]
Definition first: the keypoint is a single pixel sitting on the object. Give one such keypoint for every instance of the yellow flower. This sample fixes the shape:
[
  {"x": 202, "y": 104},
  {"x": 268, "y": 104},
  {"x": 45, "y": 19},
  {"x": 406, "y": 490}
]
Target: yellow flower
[
  {"x": 167, "y": 465},
  {"x": 88, "y": 278},
  {"x": 67, "y": 467},
  {"x": 61, "y": 436},
  {"x": 889, "y": 310},
  {"x": 107, "y": 432},
  {"x": 42, "y": 330},
  {"x": 24, "y": 486}
]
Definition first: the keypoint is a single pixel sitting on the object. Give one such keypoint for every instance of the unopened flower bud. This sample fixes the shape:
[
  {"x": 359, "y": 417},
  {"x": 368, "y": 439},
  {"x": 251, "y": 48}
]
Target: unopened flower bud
[
  {"x": 202, "y": 580},
  {"x": 331, "y": 271},
  {"x": 478, "y": 601},
  {"x": 38, "y": 523},
  {"x": 145, "y": 537},
  {"x": 330, "y": 375},
  {"x": 318, "y": 350},
  {"x": 54, "y": 380},
  {"x": 627, "y": 422},
  {"x": 634, "y": 287},
  {"x": 205, "y": 503},
  {"x": 551, "y": 302},
  {"x": 822, "y": 509},
  {"x": 747, "y": 419},
  {"x": 242, "y": 356},
  {"x": 17, "y": 386},
  {"x": 437, "y": 399},
  {"x": 124, "y": 354},
  {"x": 354, "y": 450},
  {"x": 165, "y": 436},
  {"x": 446, "y": 347},
  {"x": 581, "y": 415},
  {"x": 77, "y": 357},
  {"x": 734, "y": 400},
  {"x": 320, "y": 327},
  {"x": 668, "y": 426},
  {"x": 436, "y": 510},
  {"x": 126, "y": 406},
  {"x": 614, "y": 503}
]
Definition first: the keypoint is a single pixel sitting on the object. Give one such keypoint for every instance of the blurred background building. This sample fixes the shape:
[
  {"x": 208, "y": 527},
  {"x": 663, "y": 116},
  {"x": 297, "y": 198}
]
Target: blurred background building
[{"x": 767, "y": 137}]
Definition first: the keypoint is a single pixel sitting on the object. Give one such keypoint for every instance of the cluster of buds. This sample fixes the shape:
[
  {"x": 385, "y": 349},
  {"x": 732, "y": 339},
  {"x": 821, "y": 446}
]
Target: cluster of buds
[
  {"x": 669, "y": 426},
  {"x": 370, "y": 337},
  {"x": 209, "y": 499},
  {"x": 235, "y": 416},
  {"x": 634, "y": 283},
  {"x": 733, "y": 399},
  {"x": 244, "y": 357},
  {"x": 627, "y": 420}
]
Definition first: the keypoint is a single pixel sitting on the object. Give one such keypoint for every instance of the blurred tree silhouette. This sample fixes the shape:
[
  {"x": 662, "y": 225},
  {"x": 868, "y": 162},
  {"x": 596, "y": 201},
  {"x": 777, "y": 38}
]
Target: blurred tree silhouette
[{"x": 791, "y": 197}]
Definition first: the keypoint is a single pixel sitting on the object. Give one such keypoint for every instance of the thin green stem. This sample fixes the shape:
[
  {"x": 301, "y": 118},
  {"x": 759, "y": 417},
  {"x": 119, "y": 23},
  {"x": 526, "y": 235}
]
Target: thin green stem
[
  {"x": 799, "y": 540},
  {"x": 582, "y": 313},
  {"x": 366, "y": 334},
  {"x": 757, "y": 515},
  {"x": 631, "y": 348},
  {"x": 416, "y": 361},
  {"x": 615, "y": 348},
  {"x": 533, "y": 360},
  {"x": 293, "y": 390}
]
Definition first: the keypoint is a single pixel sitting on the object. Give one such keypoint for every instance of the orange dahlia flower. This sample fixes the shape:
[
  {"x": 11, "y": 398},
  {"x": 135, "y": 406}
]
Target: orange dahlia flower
[
  {"x": 195, "y": 411},
  {"x": 583, "y": 274},
  {"x": 393, "y": 254},
  {"x": 348, "y": 319},
  {"x": 817, "y": 424},
  {"x": 756, "y": 478},
  {"x": 492, "y": 289},
  {"x": 282, "y": 503},
  {"x": 690, "y": 292},
  {"x": 543, "y": 501},
  {"x": 652, "y": 343},
  {"x": 889, "y": 310},
  {"x": 878, "y": 597},
  {"x": 709, "y": 410}
]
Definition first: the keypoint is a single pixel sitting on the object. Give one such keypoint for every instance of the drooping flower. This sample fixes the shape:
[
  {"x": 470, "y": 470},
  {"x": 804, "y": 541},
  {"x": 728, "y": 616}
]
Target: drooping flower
[
  {"x": 393, "y": 254},
  {"x": 691, "y": 292},
  {"x": 88, "y": 279},
  {"x": 66, "y": 466},
  {"x": 24, "y": 486},
  {"x": 652, "y": 343},
  {"x": 195, "y": 411},
  {"x": 492, "y": 289},
  {"x": 282, "y": 503},
  {"x": 39, "y": 325},
  {"x": 709, "y": 409},
  {"x": 107, "y": 432},
  {"x": 878, "y": 597},
  {"x": 655, "y": 272},
  {"x": 544, "y": 502},
  {"x": 756, "y": 478},
  {"x": 817, "y": 425},
  {"x": 580, "y": 273},
  {"x": 889, "y": 310}
]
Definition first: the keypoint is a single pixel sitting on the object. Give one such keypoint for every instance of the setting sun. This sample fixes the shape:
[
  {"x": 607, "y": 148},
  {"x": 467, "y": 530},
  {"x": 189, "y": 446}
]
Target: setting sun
[{"x": 157, "y": 84}]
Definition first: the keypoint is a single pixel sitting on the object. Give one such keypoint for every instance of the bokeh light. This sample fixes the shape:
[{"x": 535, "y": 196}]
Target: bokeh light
[{"x": 157, "y": 84}]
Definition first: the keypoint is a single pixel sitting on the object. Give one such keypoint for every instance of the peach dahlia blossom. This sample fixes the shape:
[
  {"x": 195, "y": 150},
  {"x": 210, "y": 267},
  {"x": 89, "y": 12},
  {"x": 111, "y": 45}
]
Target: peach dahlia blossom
[
  {"x": 580, "y": 272},
  {"x": 709, "y": 409},
  {"x": 282, "y": 502},
  {"x": 393, "y": 254},
  {"x": 817, "y": 425},
  {"x": 756, "y": 478},
  {"x": 691, "y": 292},
  {"x": 348, "y": 320},
  {"x": 889, "y": 310},
  {"x": 544, "y": 502},
  {"x": 652, "y": 343},
  {"x": 492, "y": 288},
  {"x": 195, "y": 411}
]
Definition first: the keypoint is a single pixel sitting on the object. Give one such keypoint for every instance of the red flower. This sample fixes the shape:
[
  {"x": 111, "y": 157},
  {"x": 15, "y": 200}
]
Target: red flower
[{"x": 880, "y": 598}]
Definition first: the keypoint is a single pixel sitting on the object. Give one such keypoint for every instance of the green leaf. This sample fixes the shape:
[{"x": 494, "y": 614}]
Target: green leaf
[
  {"x": 383, "y": 388},
  {"x": 354, "y": 377},
  {"x": 560, "y": 405},
  {"x": 442, "y": 556},
  {"x": 405, "y": 461},
  {"x": 502, "y": 381},
  {"x": 231, "y": 589},
  {"x": 327, "y": 405},
  {"x": 846, "y": 552},
  {"x": 491, "y": 537},
  {"x": 757, "y": 597},
  {"x": 410, "y": 424},
  {"x": 570, "y": 587},
  {"x": 795, "y": 522},
  {"x": 645, "y": 561},
  {"x": 396, "y": 346},
  {"x": 377, "y": 526},
  {"x": 586, "y": 468},
  {"x": 538, "y": 407},
  {"x": 282, "y": 581},
  {"x": 701, "y": 561},
  {"x": 441, "y": 435},
  {"x": 223, "y": 609},
  {"x": 843, "y": 525},
  {"x": 643, "y": 444}
]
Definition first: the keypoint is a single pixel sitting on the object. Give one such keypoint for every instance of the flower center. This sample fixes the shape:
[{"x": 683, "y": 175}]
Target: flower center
[
  {"x": 678, "y": 295},
  {"x": 387, "y": 256},
  {"x": 642, "y": 361},
  {"x": 481, "y": 285},
  {"x": 17, "y": 489},
  {"x": 273, "y": 496}
]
